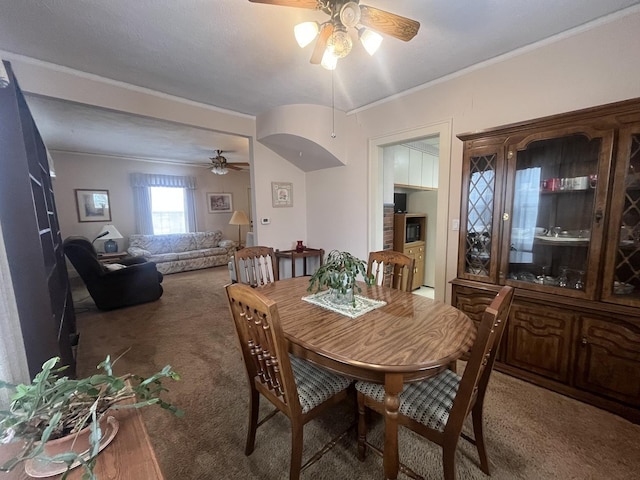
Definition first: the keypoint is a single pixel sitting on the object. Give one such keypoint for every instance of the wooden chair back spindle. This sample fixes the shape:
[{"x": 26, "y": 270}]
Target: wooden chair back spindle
[
  {"x": 256, "y": 266},
  {"x": 392, "y": 269}
]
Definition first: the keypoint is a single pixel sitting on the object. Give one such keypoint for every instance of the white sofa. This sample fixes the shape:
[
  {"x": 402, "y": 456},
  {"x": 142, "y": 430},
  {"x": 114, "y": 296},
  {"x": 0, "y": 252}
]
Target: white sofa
[{"x": 180, "y": 252}]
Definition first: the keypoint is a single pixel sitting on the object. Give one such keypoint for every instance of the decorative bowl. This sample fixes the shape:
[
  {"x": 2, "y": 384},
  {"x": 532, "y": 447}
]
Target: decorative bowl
[{"x": 620, "y": 288}]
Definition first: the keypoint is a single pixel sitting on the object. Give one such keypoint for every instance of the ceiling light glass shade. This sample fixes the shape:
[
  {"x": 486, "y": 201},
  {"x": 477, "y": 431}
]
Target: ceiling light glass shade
[
  {"x": 329, "y": 60},
  {"x": 339, "y": 42},
  {"x": 219, "y": 170},
  {"x": 370, "y": 40},
  {"x": 305, "y": 33}
]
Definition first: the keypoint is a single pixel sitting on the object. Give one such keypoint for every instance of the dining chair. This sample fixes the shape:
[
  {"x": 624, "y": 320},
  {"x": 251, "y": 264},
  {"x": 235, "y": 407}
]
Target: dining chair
[
  {"x": 296, "y": 387},
  {"x": 392, "y": 269},
  {"x": 436, "y": 408},
  {"x": 256, "y": 266}
]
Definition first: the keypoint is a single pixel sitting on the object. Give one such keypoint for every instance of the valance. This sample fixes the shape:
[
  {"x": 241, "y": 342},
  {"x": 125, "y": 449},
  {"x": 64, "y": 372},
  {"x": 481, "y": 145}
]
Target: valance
[{"x": 155, "y": 180}]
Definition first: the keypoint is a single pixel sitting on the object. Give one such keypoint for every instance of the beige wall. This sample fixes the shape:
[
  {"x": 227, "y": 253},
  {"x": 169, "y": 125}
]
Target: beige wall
[{"x": 106, "y": 173}]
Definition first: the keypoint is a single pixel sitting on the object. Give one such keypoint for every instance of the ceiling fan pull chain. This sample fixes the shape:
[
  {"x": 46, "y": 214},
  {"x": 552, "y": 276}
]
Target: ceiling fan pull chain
[{"x": 333, "y": 106}]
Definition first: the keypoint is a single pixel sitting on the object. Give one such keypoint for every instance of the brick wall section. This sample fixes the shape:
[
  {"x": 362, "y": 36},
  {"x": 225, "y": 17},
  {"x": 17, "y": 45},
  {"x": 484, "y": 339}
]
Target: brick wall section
[{"x": 387, "y": 239}]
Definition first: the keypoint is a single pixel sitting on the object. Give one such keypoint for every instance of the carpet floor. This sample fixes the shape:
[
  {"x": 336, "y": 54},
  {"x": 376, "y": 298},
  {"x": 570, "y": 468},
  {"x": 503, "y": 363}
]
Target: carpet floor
[{"x": 531, "y": 433}]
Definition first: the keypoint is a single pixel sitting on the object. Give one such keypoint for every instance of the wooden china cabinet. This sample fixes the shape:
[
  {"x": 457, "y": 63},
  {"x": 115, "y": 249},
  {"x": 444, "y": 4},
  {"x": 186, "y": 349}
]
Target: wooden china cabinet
[{"x": 552, "y": 207}]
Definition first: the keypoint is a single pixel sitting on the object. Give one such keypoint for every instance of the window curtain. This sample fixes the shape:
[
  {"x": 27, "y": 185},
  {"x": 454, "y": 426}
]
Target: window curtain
[
  {"x": 140, "y": 182},
  {"x": 13, "y": 359}
]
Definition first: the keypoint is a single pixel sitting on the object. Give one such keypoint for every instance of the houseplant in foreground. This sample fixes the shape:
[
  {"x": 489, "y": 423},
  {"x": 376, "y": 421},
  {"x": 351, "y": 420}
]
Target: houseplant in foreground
[
  {"x": 54, "y": 406},
  {"x": 339, "y": 274}
]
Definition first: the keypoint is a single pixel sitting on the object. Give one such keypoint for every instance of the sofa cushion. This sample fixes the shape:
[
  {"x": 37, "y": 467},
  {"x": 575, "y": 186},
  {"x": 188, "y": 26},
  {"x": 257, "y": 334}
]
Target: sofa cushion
[
  {"x": 208, "y": 239},
  {"x": 191, "y": 254},
  {"x": 163, "y": 257}
]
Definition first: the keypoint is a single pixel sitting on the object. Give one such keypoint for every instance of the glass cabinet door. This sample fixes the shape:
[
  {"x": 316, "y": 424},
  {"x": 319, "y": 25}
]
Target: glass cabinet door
[
  {"x": 555, "y": 212},
  {"x": 622, "y": 270},
  {"x": 478, "y": 238}
]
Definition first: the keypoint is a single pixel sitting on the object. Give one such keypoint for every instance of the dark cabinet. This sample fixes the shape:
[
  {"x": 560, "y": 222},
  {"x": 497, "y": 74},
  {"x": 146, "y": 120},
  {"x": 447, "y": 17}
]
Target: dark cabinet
[
  {"x": 552, "y": 207},
  {"x": 608, "y": 358},
  {"x": 539, "y": 340},
  {"x": 31, "y": 235}
]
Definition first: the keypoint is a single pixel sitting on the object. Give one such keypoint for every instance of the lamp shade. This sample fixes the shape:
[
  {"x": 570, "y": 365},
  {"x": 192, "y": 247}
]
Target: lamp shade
[
  {"x": 110, "y": 233},
  {"x": 239, "y": 218}
]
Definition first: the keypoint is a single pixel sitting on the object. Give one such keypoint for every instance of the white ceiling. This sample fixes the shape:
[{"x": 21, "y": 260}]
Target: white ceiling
[{"x": 242, "y": 56}]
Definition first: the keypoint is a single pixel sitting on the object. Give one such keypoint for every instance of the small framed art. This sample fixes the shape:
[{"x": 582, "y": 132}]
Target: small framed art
[
  {"x": 220, "y": 202},
  {"x": 282, "y": 194},
  {"x": 93, "y": 205}
]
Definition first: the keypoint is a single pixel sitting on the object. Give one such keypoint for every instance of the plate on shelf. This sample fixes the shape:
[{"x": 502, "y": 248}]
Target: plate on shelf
[{"x": 561, "y": 239}]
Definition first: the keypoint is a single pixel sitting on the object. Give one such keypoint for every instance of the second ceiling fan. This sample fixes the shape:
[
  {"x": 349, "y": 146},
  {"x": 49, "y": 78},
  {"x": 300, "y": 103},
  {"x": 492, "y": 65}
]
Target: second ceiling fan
[
  {"x": 221, "y": 166},
  {"x": 334, "y": 40}
]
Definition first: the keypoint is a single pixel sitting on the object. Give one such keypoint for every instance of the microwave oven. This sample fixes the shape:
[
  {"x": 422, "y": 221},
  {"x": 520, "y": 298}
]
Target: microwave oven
[{"x": 413, "y": 232}]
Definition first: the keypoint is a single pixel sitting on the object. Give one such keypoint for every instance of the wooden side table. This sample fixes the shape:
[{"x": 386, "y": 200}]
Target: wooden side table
[
  {"x": 129, "y": 457},
  {"x": 304, "y": 254},
  {"x": 111, "y": 257}
]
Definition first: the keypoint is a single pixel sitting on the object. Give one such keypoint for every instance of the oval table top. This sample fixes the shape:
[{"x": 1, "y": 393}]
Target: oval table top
[{"x": 411, "y": 335}]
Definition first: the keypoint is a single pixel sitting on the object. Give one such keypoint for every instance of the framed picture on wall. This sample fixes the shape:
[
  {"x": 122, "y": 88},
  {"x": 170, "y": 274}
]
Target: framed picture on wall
[
  {"x": 282, "y": 194},
  {"x": 93, "y": 205},
  {"x": 220, "y": 202}
]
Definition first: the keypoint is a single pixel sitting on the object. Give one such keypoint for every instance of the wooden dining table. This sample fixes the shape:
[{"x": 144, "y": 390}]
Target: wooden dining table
[{"x": 408, "y": 339}]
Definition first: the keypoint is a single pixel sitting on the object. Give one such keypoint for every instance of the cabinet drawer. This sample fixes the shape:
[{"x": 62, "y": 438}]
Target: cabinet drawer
[
  {"x": 539, "y": 339},
  {"x": 608, "y": 359}
]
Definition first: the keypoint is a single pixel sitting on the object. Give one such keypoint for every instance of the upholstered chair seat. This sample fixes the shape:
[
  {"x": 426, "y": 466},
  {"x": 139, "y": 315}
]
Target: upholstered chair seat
[{"x": 428, "y": 402}]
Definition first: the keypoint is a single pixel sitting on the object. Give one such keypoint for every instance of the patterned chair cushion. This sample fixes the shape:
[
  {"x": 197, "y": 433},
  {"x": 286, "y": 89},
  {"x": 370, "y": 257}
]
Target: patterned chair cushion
[
  {"x": 428, "y": 402},
  {"x": 315, "y": 384}
]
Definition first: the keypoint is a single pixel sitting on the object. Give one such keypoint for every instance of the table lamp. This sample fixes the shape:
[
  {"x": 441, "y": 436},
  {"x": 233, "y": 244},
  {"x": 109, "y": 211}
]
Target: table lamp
[
  {"x": 109, "y": 233},
  {"x": 239, "y": 218}
]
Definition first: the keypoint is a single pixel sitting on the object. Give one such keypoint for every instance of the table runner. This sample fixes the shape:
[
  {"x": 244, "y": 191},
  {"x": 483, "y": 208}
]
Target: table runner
[{"x": 363, "y": 304}]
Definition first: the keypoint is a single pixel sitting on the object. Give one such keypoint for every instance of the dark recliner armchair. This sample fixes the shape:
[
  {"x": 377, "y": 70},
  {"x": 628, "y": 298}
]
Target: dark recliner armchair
[{"x": 138, "y": 282}]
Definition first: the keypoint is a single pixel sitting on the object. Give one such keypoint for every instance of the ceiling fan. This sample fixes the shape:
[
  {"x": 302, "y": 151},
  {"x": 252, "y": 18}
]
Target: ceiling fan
[
  {"x": 334, "y": 40},
  {"x": 221, "y": 166}
]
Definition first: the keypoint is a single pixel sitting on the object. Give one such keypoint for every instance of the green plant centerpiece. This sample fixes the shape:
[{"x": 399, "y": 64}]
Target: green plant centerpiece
[
  {"x": 55, "y": 406},
  {"x": 339, "y": 274}
]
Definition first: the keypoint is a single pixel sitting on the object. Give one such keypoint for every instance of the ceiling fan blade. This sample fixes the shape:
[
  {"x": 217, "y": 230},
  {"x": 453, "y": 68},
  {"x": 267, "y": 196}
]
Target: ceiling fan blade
[
  {"x": 399, "y": 27},
  {"x": 321, "y": 44},
  {"x": 237, "y": 166},
  {"x": 311, "y": 4}
]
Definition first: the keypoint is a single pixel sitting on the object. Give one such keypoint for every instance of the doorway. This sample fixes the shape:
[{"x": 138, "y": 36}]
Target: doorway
[{"x": 435, "y": 201}]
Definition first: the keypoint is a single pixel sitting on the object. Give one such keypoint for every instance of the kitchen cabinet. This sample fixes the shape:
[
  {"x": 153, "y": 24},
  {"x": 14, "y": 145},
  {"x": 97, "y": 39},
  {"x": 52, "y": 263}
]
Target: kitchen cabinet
[
  {"x": 552, "y": 207},
  {"x": 400, "y": 164},
  {"x": 414, "y": 168},
  {"x": 412, "y": 246}
]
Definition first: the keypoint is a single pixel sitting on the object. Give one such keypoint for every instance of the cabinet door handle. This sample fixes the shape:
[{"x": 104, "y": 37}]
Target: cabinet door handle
[
  {"x": 598, "y": 216},
  {"x": 584, "y": 341}
]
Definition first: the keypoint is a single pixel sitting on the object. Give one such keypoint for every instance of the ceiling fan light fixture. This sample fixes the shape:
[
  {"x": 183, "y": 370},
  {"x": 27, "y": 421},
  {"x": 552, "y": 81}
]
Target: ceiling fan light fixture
[
  {"x": 306, "y": 32},
  {"x": 370, "y": 40},
  {"x": 339, "y": 42},
  {"x": 219, "y": 170},
  {"x": 329, "y": 60},
  {"x": 350, "y": 14}
]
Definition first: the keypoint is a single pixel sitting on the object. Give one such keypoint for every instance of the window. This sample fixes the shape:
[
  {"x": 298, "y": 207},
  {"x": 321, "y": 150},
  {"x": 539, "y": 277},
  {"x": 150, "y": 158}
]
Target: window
[{"x": 168, "y": 210}]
